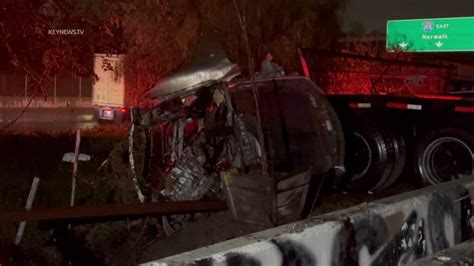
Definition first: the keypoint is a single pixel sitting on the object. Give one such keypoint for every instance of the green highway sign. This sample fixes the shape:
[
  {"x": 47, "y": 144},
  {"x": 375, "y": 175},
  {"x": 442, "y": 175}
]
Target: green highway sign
[{"x": 431, "y": 35}]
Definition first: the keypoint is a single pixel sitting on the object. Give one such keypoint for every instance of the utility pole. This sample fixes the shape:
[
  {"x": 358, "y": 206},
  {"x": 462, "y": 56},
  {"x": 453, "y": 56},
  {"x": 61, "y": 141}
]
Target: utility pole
[
  {"x": 55, "y": 90},
  {"x": 26, "y": 85},
  {"x": 243, "y": 26},
  {"x": 80, "y": 89}
]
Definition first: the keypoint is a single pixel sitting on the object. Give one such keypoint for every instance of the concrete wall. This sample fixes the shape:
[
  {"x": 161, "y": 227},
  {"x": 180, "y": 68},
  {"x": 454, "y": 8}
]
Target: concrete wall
[
  {"x": 391, "y": 231},
  {"x": 48, "y": 115},
  {"x": 15, "y": 83},
  {"x": 40, "y": 102},
  {"x": 462, "y": 254}
]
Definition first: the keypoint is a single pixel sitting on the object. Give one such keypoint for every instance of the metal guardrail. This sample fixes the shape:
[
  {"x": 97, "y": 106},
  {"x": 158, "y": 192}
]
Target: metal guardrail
[{"x": 111, "y": 211}]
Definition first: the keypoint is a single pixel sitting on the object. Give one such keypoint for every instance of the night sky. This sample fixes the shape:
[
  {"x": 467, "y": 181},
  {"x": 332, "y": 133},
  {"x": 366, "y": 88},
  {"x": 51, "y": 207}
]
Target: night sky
[{"x": 373, "y": 14}]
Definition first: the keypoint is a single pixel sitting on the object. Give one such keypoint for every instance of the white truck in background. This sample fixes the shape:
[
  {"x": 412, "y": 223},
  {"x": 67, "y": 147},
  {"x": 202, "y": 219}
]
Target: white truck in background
[{"x": 108, "y": 92}]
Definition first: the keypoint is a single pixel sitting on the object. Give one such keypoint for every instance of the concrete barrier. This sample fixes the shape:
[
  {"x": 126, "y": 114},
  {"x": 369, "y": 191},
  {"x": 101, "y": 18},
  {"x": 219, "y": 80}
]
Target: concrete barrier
[
  {"x": 462, "y": 254},
  {"x": 48, "y": 115},
  {"x": 50, "y": 102},
  {"x": 391, "y": 231}
]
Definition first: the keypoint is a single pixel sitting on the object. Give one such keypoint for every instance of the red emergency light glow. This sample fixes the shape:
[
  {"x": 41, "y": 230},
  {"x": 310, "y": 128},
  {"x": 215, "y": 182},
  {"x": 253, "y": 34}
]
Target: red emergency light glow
[
  {"x": 406, "y": 106},
  {"x": 304, "y": 64},
  {"x": 464, "y": 109},
  {"x": 360, "y": 105},
  {"x": 438, "y": 97},
  {"x": 397, "y": 105}
]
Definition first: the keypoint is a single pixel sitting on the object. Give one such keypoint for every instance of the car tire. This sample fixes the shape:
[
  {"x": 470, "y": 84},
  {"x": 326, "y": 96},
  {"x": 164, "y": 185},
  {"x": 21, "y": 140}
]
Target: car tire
[{"x": 444, "y": 155}]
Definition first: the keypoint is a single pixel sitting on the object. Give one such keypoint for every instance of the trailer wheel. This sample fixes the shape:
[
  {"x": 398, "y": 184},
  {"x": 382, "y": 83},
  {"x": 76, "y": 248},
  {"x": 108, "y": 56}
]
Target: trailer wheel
[
  {"x": 444, "y": 155},
  {"x": 399, "y": 159},
  {"x": 370, "y": 159}
]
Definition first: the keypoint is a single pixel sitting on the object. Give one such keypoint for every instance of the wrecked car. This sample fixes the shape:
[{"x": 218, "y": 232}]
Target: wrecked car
[{"x": 266, "y": 146}]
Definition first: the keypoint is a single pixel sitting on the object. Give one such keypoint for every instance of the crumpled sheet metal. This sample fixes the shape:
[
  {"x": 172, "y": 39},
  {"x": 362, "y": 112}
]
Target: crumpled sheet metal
[
  {"x": 249, "y": 146},
  {"x": 208, "y": 66},
  {"x": 187, "y": 180}
]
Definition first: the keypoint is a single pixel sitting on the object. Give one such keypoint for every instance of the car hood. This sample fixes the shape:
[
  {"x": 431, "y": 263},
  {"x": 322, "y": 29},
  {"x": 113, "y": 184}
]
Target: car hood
[{"x": 208, "y": 66}]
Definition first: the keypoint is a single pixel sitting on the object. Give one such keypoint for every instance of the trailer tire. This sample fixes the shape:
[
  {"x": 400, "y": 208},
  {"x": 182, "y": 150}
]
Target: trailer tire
[
  {"x": 399, "y": 160},
  {"x": 444, "y": 155},
  {"x": 370, "y": 159}
]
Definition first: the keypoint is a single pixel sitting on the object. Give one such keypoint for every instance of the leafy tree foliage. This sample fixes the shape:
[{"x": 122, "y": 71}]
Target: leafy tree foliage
[
  {"x": 276, "y": 26},
  {"x": 161, "y": 35},
  {"x": 27, "y": 30},
  {"x": 158, "y": 36}
]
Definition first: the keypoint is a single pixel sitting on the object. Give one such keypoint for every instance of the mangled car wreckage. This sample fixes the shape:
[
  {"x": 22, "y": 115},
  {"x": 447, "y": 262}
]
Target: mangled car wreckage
[{"x": 264, "y": 145}]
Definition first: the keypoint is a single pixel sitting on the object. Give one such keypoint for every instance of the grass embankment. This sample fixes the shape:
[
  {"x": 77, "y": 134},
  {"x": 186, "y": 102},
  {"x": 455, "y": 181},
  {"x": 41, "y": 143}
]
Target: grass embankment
[{"x": 25, "y": 155}]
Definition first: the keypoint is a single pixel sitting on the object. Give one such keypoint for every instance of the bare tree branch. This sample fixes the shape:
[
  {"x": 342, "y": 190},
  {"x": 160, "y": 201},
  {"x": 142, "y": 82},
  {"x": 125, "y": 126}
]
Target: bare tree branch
[{"x": 40, "y": 81}]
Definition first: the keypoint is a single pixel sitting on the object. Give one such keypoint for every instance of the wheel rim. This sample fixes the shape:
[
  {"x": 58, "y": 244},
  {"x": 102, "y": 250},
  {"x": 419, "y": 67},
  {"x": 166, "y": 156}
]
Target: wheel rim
[
  {"x": 361, "y": 157},
  {"x": 174, "y": 223},
  {"x": 445, "y": 159}
]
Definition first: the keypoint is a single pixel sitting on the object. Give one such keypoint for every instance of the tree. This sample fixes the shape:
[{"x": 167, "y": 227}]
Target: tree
[
  {"x": 277, "y": 26},
  {"x": 160, "y": 36},
  {"x": 357, "y": 28},
  {"x": 49, "y": 37},
  {"x": 29, "y": 34},
  {"x": 348, "y": 75}
]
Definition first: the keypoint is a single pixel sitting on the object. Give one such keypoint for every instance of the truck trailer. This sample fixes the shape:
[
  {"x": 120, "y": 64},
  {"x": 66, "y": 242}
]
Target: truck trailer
[{"x": 108, "y": 90}]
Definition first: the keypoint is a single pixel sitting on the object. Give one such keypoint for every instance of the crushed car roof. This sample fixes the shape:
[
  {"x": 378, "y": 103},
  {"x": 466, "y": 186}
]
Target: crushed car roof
[{"x": 209, "y": 65}]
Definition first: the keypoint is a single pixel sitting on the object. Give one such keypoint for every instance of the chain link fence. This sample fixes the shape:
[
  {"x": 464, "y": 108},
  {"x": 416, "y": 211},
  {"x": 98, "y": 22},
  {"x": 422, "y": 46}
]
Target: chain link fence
[{"x": 64, "y": 91}]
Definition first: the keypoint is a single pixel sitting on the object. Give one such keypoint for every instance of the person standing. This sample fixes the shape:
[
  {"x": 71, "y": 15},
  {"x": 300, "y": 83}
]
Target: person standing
[{"x": 270, "y": 68}]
